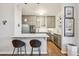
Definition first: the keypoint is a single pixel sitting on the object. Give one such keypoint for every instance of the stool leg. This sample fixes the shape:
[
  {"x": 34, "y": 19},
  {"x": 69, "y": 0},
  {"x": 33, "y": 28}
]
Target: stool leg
[
  {"x": 20, "y": 51},
  {"x": 32, "y": 51},
  {"x": 13, "y": 52},
  {"x": 17, "y": 51},
  {"x": 25, "y": 49},
  {"x": 39, "y": 51}
]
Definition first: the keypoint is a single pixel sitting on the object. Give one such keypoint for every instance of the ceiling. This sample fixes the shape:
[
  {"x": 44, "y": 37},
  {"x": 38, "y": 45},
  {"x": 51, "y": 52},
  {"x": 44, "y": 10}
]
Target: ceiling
[{"x": 41, "y": 8}]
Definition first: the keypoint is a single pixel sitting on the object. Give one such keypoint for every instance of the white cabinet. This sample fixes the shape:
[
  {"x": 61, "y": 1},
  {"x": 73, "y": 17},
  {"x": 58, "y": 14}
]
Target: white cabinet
[{"x": 40, "y": 21}]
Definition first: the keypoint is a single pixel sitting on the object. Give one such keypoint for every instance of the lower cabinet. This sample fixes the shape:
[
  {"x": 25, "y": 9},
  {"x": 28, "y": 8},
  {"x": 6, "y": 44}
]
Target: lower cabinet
[{"x": 57, "y": 40}]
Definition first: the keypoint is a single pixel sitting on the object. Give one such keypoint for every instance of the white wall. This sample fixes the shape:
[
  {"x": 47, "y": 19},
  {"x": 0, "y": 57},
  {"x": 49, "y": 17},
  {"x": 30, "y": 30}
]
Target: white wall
[
  {"x": 67, "y": 40},
  {"x": 77, "y": 26},
  {"x": 17, "y": 19},
  {"x": 6, "y": 13},
  {"x": 58, "y": 28}
]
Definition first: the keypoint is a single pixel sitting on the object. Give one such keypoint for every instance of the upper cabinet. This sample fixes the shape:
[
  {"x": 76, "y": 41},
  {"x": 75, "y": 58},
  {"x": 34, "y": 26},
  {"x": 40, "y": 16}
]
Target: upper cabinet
[
  {"x": 39, "y": 21},
  {"x": 29, "y": 19},
  {"x": 50, "y": 21}
]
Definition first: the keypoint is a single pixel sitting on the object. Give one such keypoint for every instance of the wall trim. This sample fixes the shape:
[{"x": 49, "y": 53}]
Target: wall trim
[{"x": 23, "y": 52}]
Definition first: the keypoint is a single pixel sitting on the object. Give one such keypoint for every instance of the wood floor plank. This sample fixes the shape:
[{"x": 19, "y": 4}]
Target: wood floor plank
[{"x": 53, "y": 50}]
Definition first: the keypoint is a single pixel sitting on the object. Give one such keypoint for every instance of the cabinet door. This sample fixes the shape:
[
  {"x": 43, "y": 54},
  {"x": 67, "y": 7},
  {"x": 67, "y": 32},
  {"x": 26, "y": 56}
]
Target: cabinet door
[
  {"x": 59, "y": 41},
  {"x": 40, "y": 21},
  {"x": 50, "y": 21},
  {"x": 31, "y": 20}
]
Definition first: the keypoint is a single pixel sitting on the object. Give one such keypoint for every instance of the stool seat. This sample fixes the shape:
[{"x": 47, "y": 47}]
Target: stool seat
[
  {"x": 35, "y": 44},
  {"x": 18, "y": 43}
]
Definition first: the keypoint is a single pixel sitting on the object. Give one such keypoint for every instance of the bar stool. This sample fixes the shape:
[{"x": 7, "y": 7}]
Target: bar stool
[
  {"x": 18, "y": 44},
  {"x": 35, "y": 44}
]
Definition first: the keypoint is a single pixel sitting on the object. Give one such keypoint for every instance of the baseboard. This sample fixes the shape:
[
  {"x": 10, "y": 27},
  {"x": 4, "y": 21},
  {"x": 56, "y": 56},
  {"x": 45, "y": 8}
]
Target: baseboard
[
  {"x": 23, "y": 52},
  {"x": 5, "y": 53},
  {"x": 78, "y": 54}
]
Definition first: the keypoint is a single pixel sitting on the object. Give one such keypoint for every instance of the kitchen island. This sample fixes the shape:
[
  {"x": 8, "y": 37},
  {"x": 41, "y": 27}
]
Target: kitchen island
[{"x": 30, "y": 36}]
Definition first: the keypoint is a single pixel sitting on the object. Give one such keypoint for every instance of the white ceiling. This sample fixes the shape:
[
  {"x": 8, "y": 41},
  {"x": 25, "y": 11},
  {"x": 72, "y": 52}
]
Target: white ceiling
[{"x": 42, "y": 8}]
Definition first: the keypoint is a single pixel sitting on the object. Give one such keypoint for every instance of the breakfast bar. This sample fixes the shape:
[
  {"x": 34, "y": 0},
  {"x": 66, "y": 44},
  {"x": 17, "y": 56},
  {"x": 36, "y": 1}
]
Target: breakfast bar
[{"x": 42, "y": 37}]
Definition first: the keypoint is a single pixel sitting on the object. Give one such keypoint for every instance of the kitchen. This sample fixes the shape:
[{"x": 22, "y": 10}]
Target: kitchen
[{"x": 36, "y": 23}]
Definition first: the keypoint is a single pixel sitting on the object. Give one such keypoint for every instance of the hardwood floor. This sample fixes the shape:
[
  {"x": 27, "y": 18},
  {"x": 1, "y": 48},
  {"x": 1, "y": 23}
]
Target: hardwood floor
[{"x": 53, "y": 50}]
